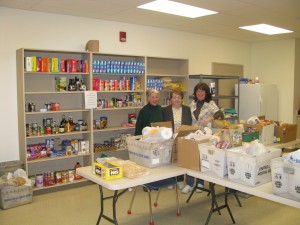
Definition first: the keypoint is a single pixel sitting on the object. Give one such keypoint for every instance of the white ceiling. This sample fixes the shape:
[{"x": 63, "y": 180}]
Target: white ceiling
[{"x": 232, "y": 14}]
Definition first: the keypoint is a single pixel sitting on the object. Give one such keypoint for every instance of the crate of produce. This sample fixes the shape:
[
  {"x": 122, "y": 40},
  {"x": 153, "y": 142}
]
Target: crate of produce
[
  {"x": 15, "y": 196},
  {"x": 250, "y": 169},
  {"x": 213, "y": 160},
  {"x": 285, "y": 179},
  {"x": 149, "y": 154}
]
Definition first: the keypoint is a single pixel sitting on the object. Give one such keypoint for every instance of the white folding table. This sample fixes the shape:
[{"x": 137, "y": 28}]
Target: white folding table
[
  {"x": 122, "y": 184},
  {"x": 262, "y": 191}
]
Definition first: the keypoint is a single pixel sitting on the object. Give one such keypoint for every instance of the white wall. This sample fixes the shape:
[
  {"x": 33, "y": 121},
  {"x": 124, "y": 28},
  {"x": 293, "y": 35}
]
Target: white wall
[
  {"x": 24, "y": 29},
  {"x": 297, "y": 79},
  {"x": 273, "y": 62}
]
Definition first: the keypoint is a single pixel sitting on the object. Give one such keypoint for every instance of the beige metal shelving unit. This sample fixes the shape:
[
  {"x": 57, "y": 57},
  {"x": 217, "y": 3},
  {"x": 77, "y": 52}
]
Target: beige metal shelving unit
[
  {"x": 175, "y": 69},
  {"x": 39, "y": 88}
]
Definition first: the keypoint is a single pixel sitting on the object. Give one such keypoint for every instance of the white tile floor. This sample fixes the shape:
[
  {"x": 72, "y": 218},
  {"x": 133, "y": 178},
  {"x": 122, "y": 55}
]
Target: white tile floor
[{"x": 80, "y": 206}]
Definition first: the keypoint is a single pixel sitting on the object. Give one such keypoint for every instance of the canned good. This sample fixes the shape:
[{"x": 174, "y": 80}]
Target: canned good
[
  {"x": 39, "y": 180},
  {"x": 57, "y": 177},
  {"x": 28, "y": 129},
  {"x": 48, "y": 130},
  {"x": 103, "y": 122},
  {"x": 55, "y": 106},
  {"x": 71, "y": 175},
  {"x": 64, "y": 176}
]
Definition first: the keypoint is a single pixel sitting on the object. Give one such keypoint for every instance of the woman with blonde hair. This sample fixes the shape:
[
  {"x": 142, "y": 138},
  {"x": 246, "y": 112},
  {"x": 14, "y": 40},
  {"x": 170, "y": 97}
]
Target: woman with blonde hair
[{"x": 152, "y": 112}]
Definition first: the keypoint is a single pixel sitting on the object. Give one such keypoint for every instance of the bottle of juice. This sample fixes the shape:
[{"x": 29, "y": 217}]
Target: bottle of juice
[{"x": 77, "y": 177}]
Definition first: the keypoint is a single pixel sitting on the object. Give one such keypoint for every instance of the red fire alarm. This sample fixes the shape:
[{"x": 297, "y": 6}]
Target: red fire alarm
[{"x": 122, "y": 36}]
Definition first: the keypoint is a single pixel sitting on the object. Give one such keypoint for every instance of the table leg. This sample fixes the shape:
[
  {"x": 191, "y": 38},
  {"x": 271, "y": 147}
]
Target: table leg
[
  {"x": 226, "y": 204},
  {"x": 214, "y": 206},
  {"x": 114, "y": 204}
]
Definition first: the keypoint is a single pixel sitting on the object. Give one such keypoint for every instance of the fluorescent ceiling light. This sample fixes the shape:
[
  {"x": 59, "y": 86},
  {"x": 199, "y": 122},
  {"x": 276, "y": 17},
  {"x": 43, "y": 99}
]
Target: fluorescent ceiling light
[
  {"x": 175, "y": 8},
  {"x": 266, "y": 29}
]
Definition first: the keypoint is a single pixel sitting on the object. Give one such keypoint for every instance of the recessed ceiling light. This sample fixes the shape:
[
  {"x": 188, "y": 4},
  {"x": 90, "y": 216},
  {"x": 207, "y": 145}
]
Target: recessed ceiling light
[
  {"x": 266, "y": 29},
  {"x": 175, "y": 8}
]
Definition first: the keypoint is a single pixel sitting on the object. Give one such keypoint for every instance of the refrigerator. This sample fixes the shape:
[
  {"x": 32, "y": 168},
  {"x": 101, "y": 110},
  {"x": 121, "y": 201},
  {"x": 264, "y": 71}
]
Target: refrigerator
[{"x": 257, "y": 100}]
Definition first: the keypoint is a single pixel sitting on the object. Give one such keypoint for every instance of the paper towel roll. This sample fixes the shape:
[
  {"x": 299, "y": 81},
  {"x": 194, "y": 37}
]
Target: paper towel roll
[{"x": 166, "y": 133}]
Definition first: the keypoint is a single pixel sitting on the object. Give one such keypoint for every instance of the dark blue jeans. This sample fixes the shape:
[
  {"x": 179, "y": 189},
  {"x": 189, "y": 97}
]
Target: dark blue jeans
[{"x": 189, "y": 180}]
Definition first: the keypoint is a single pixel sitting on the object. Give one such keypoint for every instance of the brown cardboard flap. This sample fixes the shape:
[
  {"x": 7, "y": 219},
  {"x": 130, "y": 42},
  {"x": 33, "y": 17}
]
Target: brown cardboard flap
[
  {"x": 287, "y": 133},
  {"x": 184, "y": 130},
  {"x": 188, "y": 155},
  {"x": 167, "y": 124}
]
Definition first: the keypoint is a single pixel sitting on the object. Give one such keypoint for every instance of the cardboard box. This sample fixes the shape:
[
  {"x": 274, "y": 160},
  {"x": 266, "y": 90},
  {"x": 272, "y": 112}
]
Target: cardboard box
[
  {"x": 167, "y": 124},
  {"x": 188, "y": 155},
  {"x": 285, "y": 133},
  {"x": 149, "y": 154},
  {"x": 285, "y": 179},
  {"x": 213, "y": 160},
  {"x": 266, "y": 133},
  {"x": 183, "y": 131},
  {"x": 15, "y": 196},
  {"x": 108, "y": 170},
  {"x": 248, "y": 169}
]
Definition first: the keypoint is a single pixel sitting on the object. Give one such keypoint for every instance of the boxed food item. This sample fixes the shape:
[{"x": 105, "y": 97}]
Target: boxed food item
[
  {"x": 15, "y": 196},
  {"x": 285, "y": 132},
  {"x": 250, "y": 136},
  {"x": 266, "y": 131},
  {"x": 188, "y": 153},
  {"x": 213, "y": 160},
  {"x": 60, "y": 84},
  {"x": 285, "y": 179},
  {"x": 250, "y": 169},
  {"x": 108, "y": 170},
  {"x": 149, "y": 154}
]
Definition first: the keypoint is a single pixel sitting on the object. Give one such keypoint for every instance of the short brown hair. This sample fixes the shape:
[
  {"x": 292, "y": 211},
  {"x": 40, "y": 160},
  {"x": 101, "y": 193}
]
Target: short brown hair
[{"x": 177, "y": 92}]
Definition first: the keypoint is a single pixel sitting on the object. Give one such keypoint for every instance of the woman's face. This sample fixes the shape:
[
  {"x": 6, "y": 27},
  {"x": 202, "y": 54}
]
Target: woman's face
[
  {"x": 154, "y": 99},
  {"x": 200, "y": 94},
  {"x": 176, "y": 100}
]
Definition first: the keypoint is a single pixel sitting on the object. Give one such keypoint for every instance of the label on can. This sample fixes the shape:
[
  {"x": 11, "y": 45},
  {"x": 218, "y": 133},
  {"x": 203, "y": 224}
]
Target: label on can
[
  {"x": 103, "y": 122},
  {"x": 39, "y": 180}
]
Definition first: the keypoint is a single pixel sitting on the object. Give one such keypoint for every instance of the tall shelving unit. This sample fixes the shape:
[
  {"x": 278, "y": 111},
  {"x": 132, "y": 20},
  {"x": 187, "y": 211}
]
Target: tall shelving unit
[
  {"x": 39, "y": 88},
  {"x": 225, "y": 96},
  {"x": 175, "y": 69},
  {"x": 118, "y": 115}
]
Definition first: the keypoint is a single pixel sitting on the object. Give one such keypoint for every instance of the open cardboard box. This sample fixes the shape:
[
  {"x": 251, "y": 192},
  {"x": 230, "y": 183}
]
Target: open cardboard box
[
  {"x": 266, "y": 133},
  {"x": 285, "y": 133},
  {"x": 188, "y": 153},
  {"x": 183, "y": 131}
]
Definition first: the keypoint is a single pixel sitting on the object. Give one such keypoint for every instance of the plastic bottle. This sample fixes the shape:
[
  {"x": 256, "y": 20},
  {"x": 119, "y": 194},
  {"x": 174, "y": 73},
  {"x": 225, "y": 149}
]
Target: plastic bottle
[{"x": 77, "y": 177}]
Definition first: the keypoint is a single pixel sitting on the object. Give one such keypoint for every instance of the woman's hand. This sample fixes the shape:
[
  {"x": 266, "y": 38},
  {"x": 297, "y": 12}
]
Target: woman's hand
[{"x": 208, "y": 120}]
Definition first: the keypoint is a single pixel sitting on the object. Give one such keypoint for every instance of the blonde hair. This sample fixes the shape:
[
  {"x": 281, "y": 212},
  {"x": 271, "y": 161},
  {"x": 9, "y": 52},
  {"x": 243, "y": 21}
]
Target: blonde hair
[{"x": 151, "y": 91}]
